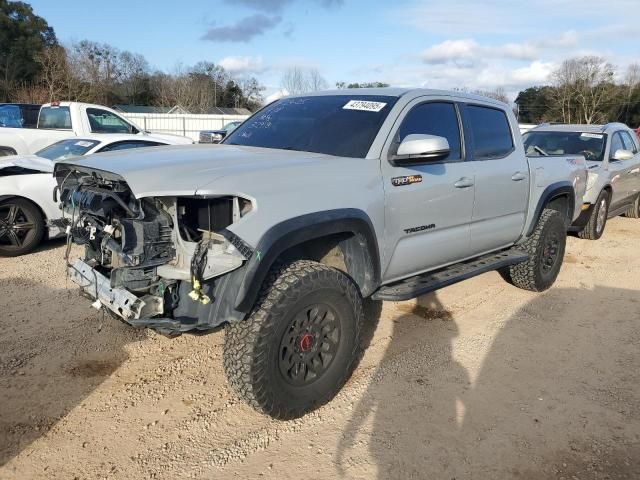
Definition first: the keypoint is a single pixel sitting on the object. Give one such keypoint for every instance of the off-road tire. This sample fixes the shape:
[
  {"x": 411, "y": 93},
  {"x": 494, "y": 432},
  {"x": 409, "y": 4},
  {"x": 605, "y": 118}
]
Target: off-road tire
[
  {"x": 29, "y": 214},
  {"x": 533, "y": 274},
  {"x": 591, "y": 230},
  {"x": 253, "y": 347},
  {"x": 634, "y": 211}
]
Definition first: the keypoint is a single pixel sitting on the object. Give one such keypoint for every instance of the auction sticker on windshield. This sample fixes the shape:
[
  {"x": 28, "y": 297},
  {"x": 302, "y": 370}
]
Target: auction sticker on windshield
[
  {"x": 364, "y": 106},
  {"x": 592, "y": 135}
]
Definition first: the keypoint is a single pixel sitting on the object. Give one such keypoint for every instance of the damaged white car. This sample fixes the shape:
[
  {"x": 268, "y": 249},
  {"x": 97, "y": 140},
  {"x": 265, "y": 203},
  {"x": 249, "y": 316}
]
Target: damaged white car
[{"x": 28, "y": 211}]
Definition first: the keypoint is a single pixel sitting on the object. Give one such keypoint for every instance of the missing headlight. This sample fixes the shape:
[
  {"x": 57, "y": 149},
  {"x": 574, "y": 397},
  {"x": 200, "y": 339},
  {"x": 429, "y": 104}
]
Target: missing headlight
[{"x": 198, "y": 215}]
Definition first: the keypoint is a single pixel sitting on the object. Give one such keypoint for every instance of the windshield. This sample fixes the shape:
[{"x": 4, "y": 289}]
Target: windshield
[
  {"x": 55, "y": 118},
  {"x": 67, "y": 149},
  {"x": 590, "y": 145},
  {"x": 340, "y": 125}
]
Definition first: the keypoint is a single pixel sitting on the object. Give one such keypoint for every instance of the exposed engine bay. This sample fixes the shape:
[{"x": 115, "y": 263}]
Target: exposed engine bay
[{"x": 144, "y": 259}]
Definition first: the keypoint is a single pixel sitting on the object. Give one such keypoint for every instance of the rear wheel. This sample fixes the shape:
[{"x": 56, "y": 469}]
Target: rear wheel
[
  {"x": 21, "y": 227},
  {"x": 546, "y": 252},
  {"x": 634, "y": 211},
  {"x": 300, "y": 344},
  {"x": 594, "y": 228}
]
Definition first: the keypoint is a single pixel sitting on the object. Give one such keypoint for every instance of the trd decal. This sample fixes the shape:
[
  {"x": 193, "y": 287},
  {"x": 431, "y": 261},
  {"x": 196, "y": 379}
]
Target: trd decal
[
  {"x": 420, "y": 228},
  {"x": 408, "y": 180}
]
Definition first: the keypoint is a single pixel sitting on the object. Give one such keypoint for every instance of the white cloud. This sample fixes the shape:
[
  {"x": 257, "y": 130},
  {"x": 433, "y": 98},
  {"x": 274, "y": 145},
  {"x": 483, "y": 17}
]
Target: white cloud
[
  {"x": 469, "y": 50},
  {"x": 243, "y": 65}
]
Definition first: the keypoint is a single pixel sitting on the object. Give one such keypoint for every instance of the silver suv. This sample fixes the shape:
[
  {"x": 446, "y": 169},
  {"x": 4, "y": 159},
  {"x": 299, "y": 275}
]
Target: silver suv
[{"x": 613, "y": 159}]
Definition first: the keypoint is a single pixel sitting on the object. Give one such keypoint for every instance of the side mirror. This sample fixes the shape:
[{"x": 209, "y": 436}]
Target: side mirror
[
  {"x": 416, "y": 149},
  {"x": 622, "y": 155}
]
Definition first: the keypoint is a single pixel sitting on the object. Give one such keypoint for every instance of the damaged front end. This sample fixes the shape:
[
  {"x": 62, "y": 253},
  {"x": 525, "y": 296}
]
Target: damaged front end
[{"x": 168, "y": 263}]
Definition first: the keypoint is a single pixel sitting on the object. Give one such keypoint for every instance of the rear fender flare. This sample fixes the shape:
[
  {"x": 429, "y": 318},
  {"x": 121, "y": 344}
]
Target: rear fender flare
[{"x": 550, "y": 193}]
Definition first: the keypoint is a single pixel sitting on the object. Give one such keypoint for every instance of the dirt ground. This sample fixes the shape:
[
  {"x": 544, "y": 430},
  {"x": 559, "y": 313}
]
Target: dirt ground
[{"x": 480, "y": 380}]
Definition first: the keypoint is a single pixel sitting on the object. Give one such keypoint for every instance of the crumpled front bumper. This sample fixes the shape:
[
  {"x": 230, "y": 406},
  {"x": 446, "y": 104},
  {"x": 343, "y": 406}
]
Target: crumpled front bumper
[{"x": 119, "y": 300}]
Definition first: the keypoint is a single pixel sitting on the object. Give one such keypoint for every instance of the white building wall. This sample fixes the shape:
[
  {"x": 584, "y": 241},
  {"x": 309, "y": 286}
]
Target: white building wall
[{"x": 188, "y": 125}]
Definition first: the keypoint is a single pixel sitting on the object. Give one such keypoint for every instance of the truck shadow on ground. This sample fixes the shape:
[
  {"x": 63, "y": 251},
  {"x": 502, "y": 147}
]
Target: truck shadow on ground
[
  {"x": 53, "y": 353},
  {"x": 556, "y": 394}
]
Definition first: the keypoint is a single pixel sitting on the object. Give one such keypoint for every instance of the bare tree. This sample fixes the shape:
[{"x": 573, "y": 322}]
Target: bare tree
[
  {"x": 296, "y": 80},
  {"x": 631, "y": 85},
  {"x": 134, "y": 75},
  {"x": 54, "y": 71},
  {"x": 316, "y": 81},
  {"x": 584, "y": 86}
]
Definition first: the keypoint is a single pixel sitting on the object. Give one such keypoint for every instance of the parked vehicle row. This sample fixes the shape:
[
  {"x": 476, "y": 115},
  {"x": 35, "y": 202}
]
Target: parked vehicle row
[
  {"x": 28, "y": 211},
  {"x": 311, "y": 205},
  {"x": 60, "y": 120}
]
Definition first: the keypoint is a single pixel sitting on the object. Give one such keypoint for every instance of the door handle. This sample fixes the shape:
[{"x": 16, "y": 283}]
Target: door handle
[
  {"x": 518, "y": 176},
  {"x": 464, "y": 182}
]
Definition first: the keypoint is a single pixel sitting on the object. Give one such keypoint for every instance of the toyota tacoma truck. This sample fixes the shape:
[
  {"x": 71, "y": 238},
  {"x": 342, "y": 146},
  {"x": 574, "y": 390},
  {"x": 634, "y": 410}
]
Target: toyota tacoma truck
[
  {"x": 313, "y": 204},
  {"x": 61, "y": 120}
]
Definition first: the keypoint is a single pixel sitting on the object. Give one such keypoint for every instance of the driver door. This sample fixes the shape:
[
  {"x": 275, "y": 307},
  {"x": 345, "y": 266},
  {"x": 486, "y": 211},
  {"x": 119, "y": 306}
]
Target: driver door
[{"x": 428, "y": 204}]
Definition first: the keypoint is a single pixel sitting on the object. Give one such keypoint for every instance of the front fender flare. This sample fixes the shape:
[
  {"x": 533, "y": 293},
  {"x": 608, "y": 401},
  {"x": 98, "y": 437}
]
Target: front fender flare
[{"x": 295, "y": 231}]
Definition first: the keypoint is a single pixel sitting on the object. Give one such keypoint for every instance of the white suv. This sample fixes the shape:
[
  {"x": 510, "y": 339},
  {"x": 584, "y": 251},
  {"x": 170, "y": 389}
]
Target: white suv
[{"x": 613, "y": 158}]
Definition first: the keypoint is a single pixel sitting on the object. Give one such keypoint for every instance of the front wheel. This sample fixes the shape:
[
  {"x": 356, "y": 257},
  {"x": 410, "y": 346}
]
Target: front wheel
[
  {"x": 545, "y": 247},
  {"x": 21, "y": 227},
  {"x": 301, "y": 342},
  {"x": 594, "y": 228}
]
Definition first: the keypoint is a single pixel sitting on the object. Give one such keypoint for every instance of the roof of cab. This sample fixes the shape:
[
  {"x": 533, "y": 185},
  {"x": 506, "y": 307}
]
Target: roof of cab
[{"x": 400, "y": 92}]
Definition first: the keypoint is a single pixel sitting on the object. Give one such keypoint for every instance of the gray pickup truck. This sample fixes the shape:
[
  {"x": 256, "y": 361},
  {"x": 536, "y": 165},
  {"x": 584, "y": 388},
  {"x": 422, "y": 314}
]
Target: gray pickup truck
[{"x": 311, "y": 205}]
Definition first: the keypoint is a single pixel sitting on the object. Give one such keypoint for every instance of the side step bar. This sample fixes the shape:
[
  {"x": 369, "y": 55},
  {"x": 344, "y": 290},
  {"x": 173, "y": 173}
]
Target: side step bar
[{"x": 428, "y": 282}]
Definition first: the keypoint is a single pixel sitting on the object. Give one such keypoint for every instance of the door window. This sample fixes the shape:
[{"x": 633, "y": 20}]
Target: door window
[
  {"x": 491, "y": 132},
  {"x": 629, "y": 144},
  {"x": 103, "y": 121},
  {"x": 616, "y": 144},
  {"x": 434, "y": 118}
]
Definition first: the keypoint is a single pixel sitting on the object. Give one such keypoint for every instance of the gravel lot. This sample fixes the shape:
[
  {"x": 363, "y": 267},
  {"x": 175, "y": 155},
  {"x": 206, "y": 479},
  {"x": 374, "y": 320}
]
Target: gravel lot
[{"x": 480, "y": 380}]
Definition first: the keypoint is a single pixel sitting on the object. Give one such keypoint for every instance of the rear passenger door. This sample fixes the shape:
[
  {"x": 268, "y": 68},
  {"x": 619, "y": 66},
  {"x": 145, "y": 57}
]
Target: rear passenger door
[{"x": 502, "y": 179}]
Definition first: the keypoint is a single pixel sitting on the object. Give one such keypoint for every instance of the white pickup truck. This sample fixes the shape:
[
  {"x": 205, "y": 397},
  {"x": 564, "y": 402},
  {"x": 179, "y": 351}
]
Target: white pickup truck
[{"x": 60, "y": 120}]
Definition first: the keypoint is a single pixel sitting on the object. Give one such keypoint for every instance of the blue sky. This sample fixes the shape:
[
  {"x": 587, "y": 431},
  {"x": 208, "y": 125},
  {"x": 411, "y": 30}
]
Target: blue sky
[{"x": 432, "y": 43}]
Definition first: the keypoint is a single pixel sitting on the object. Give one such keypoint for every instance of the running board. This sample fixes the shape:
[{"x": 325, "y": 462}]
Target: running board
[{"x": 428, "y": 282}]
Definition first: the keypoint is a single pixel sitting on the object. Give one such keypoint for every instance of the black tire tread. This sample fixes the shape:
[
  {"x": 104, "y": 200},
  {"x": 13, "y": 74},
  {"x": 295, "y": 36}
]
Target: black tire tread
[
  {"x": 247, "y": 341},
  {"x": 590, "y": 232},
  {"x": 523, "y": 275}
]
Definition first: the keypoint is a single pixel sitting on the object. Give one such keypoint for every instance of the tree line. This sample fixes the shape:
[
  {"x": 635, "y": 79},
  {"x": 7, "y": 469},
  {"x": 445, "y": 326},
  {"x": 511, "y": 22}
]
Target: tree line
[
  {"x": 36, "y": 68},
  {"x": 584, "y": 90}
]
